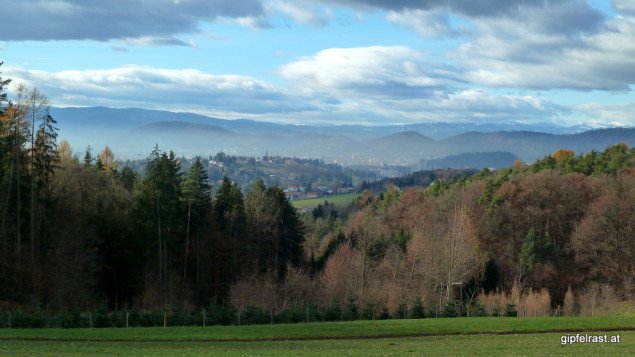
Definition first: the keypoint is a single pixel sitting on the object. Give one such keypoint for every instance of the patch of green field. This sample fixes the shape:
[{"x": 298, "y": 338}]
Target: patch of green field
[
  {"x": 339, "y": 200},
  {"x": 542, "y": 344},
  {"x": 374, "y": 329}
]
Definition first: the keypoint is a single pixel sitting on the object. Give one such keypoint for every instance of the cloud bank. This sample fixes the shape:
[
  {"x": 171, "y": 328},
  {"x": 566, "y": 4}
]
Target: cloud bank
[{"x": 116, "y": 19}]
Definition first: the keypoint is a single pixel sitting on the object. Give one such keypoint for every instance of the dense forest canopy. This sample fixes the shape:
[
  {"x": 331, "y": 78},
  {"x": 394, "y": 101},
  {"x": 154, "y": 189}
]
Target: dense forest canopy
[{"x": 81, "y": 231}]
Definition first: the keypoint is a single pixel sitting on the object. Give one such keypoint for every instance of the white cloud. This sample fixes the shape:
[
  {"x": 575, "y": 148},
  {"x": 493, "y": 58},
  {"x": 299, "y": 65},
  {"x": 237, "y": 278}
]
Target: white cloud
[
  {"x": 254, "y": 22},
  {"x": 601, "y": 114},
  {"x": 434, "y": 23},
  {"x": 376, "y": 83},
  {"x": 157, "y": 41},
  {"x": 557, "y": 47},
  {"x": 301, "y": 11},
  {"x": 541, "y": 45},
  {"x": 329, "y": 99},
  {"x": 472, "y": 8},
  {"x": 377, "y": 70},
  {"x": 148, "y": 87},
  {"x": 474, "y": 105},
  {"x": 624, "y": 6}
]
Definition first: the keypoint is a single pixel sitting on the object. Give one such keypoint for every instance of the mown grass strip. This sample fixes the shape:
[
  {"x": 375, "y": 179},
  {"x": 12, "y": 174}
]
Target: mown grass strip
[
  {"x": 546, "y": 344},
  {"x": 332, "y": 330}
]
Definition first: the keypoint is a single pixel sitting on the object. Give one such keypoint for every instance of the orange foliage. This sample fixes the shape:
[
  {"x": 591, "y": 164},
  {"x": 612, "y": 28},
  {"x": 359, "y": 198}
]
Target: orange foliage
[
  {"x": 562, "y": 154},
  {"x": 519, "y": 165},
  {"x": 340, "y": 275}
]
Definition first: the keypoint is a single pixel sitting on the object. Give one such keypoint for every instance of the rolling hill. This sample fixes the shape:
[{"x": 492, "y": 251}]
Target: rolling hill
[{"x": 132, "y": 133}]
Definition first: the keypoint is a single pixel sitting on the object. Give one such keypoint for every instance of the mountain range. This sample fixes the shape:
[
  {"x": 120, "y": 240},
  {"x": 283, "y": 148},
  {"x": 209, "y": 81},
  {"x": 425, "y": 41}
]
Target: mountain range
[{"x": 132, "y": 133}]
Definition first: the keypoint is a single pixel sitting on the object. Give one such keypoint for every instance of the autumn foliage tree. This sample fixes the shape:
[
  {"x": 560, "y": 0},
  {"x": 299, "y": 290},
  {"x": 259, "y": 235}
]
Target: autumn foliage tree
[{"x": 604, "y": 241}]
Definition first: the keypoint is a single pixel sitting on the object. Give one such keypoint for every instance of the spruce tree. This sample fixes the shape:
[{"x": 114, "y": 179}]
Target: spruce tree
[
  {"x": 158, "y": 213},
  {"x": 88, "y": 157},
  {"x": 196, "y": 196},
  {"x": 417, "y": 310},
  {"x": 229, "y": 210}
]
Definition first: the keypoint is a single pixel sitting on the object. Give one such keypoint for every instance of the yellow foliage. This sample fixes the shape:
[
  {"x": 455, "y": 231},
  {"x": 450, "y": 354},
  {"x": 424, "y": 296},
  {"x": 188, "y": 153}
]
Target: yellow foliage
[{"x": 108, "y": 161}]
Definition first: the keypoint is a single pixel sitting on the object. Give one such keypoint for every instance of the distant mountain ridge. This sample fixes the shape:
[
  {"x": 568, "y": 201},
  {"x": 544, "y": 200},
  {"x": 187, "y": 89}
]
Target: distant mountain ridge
[
  {"x": 133, "y": 132},
  {"x": 128, "y": 118},
  {"x": 180, "y": 125}
]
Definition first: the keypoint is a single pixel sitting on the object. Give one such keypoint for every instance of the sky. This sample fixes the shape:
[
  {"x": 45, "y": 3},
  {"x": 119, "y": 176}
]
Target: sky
[{"x": 370, "y": 62}]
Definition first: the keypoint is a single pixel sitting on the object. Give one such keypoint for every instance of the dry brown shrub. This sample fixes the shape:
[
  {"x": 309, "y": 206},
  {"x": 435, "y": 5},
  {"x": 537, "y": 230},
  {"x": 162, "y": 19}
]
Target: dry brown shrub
[
  {"x": 494, "y": 301},
  {"x": 609, "y": 300},
  {"x": 535, "y": 303},
  {"x": 589, "y": 300},
  {"x": 255, "y": 290},
  {"x": 598, "y": 300},
  {"x": 297, "y": 288},
  {"x": 569, "y": 307},
  {"x": 515, "y": 295}
]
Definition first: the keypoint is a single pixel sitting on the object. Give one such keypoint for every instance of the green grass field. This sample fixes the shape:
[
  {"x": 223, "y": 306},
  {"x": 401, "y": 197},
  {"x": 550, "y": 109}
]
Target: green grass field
[
  {"x": 338, "y": 200},
  {"x": 544, "y": 344},
  {"x": 459, "y": 336}
]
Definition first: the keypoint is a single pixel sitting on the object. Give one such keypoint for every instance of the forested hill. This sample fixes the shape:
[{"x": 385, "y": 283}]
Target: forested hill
[
  {"x": 528, "y": 238},
  {"x": 417, "y": 179},
  {"x": 474, "y": 160}
]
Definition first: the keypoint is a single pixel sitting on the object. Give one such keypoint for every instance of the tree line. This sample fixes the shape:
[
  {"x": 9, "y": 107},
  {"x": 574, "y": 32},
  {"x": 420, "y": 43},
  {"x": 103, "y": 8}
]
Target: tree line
[
  {"x": 86, "y": 233},
  {"x": 82, "y": 232}
]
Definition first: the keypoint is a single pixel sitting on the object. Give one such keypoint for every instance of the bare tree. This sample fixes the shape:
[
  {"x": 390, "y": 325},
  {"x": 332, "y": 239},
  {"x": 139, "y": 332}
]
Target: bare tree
[
  {"x": 18, "y": 122},
  {"x": 340, "y": 275},
  {"x": 452, "y": 253}
]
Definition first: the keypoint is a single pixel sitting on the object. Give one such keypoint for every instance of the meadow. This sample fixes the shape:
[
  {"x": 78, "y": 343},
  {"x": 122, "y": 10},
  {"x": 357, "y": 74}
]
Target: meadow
[
  {"x": 339, "y": 200},
  {"x": 457, "y": 336}
]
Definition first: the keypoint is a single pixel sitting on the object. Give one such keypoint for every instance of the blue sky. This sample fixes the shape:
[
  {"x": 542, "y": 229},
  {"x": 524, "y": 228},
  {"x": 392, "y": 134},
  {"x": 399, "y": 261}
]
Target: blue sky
[{"x": 340, "y": 61}]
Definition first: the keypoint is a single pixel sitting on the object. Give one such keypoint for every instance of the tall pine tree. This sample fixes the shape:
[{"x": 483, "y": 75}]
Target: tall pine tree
[
  {"x": 229, "y": 211},
  {"x": 158, "y": 216},
  {"x": 196, "y": 195}
]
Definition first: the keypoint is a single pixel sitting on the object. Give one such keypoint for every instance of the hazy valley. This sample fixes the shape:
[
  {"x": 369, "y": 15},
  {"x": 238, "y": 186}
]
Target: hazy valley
[{"x": 132, "y": 133}]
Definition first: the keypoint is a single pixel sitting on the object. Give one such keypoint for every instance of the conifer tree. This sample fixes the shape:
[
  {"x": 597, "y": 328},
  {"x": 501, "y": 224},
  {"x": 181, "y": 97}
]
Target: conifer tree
[
  {"x": 229, "y": 210},
  {"x": 158, "y": 211},
  {"x": 196, "y": 194},
  {"x": 275, "y": 227},
  {"x": 88, "y": 157},
  {"x": 44, "y": 158}
]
